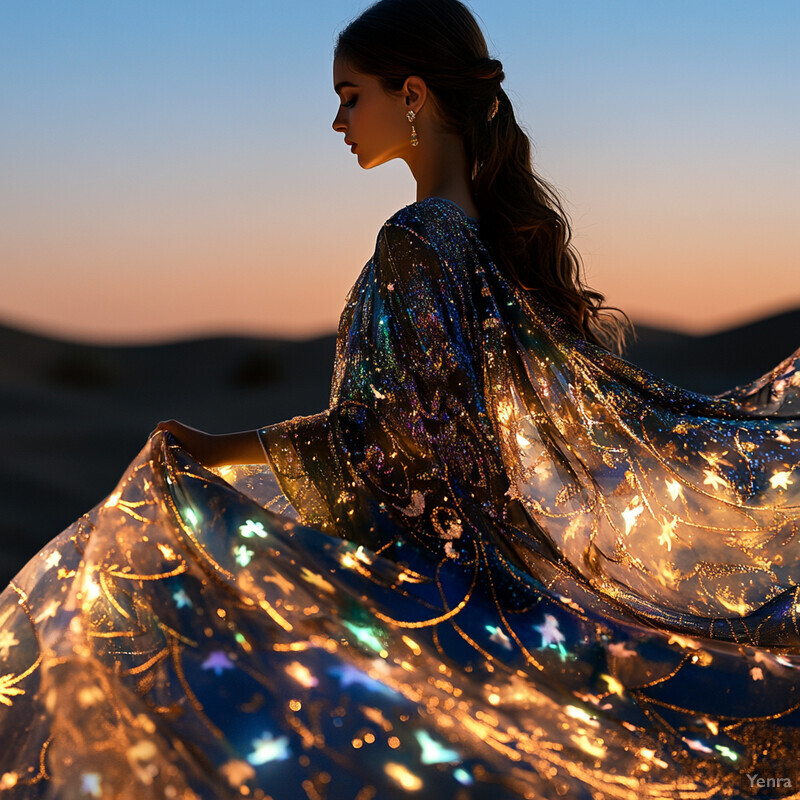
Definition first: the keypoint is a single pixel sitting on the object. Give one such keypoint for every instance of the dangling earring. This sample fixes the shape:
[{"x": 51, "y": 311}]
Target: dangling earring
[{"x": 411, "y": 116}]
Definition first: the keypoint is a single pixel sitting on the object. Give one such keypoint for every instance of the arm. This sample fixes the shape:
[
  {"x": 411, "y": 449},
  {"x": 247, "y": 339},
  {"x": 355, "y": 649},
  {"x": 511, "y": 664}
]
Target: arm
[
  {"x": 405, "y": 451},
  {"x": 215, "y": 450}
]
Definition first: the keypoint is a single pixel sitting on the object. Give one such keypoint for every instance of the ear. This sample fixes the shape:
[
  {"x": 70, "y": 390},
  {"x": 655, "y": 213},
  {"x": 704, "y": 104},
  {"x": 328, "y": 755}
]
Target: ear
[{"x": 415, "y": 92}]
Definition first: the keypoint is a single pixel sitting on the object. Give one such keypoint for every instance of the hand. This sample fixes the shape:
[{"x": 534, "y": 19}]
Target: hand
[
  {"x": 216, "y": 449},
  {"x": 203, "y": 446}
]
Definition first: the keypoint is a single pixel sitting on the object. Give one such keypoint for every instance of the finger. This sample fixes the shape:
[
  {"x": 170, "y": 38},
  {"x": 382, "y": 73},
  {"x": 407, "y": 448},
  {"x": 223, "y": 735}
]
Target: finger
[{"x": 164, "y": 425}]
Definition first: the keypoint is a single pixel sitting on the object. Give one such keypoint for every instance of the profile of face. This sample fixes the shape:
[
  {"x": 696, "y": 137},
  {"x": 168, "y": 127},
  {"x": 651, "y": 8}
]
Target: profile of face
[{"x": 373, "y": 120}]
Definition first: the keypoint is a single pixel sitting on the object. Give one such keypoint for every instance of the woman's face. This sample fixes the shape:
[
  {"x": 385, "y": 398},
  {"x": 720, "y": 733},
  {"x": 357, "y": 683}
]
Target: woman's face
[{"x": 372, "y": 120}]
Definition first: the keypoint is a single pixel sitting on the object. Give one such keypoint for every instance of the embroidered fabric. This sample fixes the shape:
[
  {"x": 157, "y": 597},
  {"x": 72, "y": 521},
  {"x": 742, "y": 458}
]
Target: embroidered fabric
[{"x": 503, "y": 563}]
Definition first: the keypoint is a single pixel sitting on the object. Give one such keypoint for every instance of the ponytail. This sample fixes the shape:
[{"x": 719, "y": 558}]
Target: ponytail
[
  {"x": 525, "y": 225},
  {"x": 522, "y": 220}
]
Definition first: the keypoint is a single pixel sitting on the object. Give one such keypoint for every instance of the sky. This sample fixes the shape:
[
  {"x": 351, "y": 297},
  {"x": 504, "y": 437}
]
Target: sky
[{"x": 168, "y": 169}]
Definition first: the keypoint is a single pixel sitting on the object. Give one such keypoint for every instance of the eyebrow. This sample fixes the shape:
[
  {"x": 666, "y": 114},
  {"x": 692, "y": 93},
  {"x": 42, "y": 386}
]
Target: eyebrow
[{"x": 344, "y": 85}]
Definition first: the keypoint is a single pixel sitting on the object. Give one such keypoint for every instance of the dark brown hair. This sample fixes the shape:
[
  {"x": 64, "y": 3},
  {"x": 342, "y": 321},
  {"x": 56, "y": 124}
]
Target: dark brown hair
[{"x": 522, "y": 219}]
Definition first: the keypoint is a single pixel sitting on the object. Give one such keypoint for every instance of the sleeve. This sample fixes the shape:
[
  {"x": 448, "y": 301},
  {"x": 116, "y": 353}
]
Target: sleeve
[
  {"x": 406, "y": 454},
  {"x": 425, "y": 327}
]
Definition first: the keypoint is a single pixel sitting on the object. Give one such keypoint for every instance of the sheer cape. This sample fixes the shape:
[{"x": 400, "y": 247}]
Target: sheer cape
[{"x": 502, "y": 563}]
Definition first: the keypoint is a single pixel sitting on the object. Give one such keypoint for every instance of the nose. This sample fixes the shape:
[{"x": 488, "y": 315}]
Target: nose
[{"x": 338, "y": 123}]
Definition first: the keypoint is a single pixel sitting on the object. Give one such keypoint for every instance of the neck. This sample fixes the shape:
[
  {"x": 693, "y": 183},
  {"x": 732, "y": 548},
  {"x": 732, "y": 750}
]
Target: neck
[{"x": 439, "y": 166}]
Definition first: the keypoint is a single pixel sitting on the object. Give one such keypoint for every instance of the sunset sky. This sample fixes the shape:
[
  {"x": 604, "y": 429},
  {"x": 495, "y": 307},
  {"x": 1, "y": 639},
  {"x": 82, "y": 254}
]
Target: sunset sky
[{"x": 168, "y": 169}]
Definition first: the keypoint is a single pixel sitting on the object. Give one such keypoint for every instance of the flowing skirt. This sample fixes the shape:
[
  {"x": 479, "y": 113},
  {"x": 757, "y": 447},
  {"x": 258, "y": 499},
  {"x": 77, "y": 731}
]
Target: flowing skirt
[{"x": 183, "y": 640}]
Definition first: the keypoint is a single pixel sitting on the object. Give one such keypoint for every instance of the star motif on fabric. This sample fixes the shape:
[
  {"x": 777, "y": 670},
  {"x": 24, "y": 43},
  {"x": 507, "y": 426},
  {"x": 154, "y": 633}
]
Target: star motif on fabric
[
  {"x": 550, "y": 632},
  {"x": 350, "y": 559},
  {"x": 7, "y": 688},
  {"x": 302, "y": 674},
  {"x": 499, "y": 637},
  {"x": 349, "y": 675},
  {"x": 266, "y": 748},
  {"x": 434, "y": 752},
  {"x": 367, "y": 635},
  {"x": 243, "y": 555},
  {"x": 696, "y": 744},
  {"x": 631, "y": 514},
  {"x": 667, "y": 574},
  {"x": 218, "y": 661},
  {"x": 53, "y": 560},
  {"x": 91, "y": 590},
  {"x": 251, "y": 529},
  {"x": 619, "y": 650},
  {"x": 780, "y": 480},
  {"x": 7, "y": 641},
  {"x": 726, "y": 751},
  {"x": 237, "y": 772},
  {"x": 714, "y": 479},
  {"x": 90, "y": 784},
  {"x": 574, "y": 526},
  {"x": 48, "y": 611},
  {"x": 683, "y": 641},
  {"x": 167, "y": 551},
  {"x": 715, "y": 458},
  {"x": 614, "y": 686},
  {"x": 757, "y": 674},
  {"x": 668, "y": 533},
  {"x": 317, "y": 580},
  {"x": 182, "y": 600}
]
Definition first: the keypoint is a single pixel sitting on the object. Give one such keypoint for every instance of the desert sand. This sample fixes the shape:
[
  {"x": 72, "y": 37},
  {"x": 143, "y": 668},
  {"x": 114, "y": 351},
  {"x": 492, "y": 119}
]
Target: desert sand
[{"x": 73, "y": 415}]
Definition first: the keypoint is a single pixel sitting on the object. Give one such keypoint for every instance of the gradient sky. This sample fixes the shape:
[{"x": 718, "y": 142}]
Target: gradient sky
[{"x": 167, "y": 168}]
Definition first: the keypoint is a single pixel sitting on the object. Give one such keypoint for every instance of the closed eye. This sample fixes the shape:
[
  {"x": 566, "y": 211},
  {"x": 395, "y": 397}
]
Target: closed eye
[{"x": 350, "y": 103}]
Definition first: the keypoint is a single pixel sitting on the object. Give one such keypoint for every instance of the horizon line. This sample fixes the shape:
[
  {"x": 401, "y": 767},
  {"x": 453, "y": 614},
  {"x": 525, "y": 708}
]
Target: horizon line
[{"x": 648, "y": 322}]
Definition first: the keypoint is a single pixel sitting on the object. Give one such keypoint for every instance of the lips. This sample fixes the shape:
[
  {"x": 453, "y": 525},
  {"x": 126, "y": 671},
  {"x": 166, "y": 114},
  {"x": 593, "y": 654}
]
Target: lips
[{"x": 351, "y": 145}]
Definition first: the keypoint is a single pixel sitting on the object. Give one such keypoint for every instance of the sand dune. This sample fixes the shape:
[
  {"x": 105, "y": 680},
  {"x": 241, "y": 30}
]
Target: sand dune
[
  {"x": 73, "y": 415},
  {"x": 718, "y": 361}
]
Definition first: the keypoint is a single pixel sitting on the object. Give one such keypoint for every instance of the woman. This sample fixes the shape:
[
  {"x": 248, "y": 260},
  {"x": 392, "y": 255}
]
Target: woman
[{"x": 503, "y": 562}]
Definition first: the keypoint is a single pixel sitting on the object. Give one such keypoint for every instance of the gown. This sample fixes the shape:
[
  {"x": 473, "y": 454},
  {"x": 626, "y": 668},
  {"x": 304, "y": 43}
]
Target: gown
[{"x": 503, "y": 563}]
